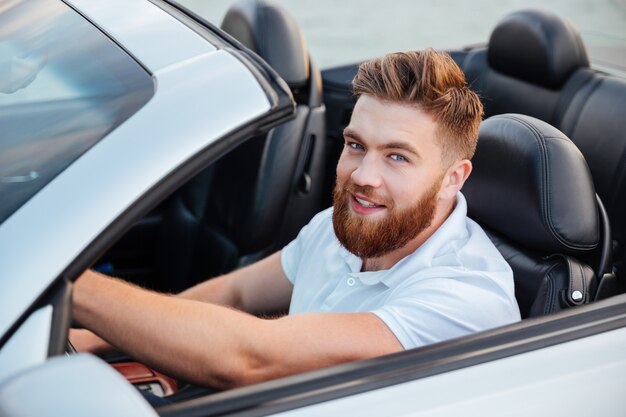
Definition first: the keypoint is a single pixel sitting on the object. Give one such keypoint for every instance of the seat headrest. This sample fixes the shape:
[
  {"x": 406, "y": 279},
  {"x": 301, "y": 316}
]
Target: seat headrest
[
  {"x": 269, "y": 31},
  {"x": 531, "y": 184},
  {"x": 538, "y": 47}
]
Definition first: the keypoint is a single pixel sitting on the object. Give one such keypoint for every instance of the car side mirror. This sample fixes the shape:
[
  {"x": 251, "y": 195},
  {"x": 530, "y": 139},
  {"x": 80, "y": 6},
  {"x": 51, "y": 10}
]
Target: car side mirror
[{"x": 75, "y": 385}]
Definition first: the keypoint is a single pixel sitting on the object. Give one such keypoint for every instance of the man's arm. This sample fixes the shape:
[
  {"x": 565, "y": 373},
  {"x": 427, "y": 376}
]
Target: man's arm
[
  {"x": 259, "y": 288},
  {"x": 209, "y": 344}
]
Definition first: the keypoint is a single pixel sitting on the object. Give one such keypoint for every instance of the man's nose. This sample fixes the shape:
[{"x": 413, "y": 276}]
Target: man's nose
[{"x": 367, "y": 173}]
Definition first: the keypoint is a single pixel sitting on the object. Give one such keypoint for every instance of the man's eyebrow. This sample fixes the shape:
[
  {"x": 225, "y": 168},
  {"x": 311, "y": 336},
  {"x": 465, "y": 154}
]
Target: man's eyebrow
[
  {"x": 401, "y": 145},
  {"x": 351, "y": 133}
]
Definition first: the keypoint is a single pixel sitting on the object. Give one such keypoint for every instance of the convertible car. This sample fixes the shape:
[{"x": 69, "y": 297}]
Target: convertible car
[{"x": 138, "y": 139}]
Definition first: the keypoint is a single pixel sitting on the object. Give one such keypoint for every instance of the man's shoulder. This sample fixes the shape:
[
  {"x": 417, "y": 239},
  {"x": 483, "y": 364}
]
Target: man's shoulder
[
  {"x": 315, "y": 244},
  {"x": 462, "y": 252},
  {"x": 459, "y": 243},
  {"x": 471, "y": 244},
  {"x": 319, "y": 228},
  {"x": 323, "y": 216},
  {"x": 320, "y": 223},
  {"x": 479, "y": 245}
]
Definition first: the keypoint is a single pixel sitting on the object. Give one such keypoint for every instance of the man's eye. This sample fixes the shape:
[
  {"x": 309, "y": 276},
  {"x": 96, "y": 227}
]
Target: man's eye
[
  {"x": 356, "y": 146},
  {"x": 398, "y": 158}
]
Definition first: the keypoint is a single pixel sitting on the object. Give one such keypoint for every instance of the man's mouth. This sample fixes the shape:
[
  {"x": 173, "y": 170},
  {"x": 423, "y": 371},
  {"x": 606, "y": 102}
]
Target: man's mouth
[
  {"x": 362, "y": 205},
  {"x": 365, "y": 203}
]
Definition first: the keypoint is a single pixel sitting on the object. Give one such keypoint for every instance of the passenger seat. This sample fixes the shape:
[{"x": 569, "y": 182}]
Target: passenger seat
[{"x": 532, "y": 192}]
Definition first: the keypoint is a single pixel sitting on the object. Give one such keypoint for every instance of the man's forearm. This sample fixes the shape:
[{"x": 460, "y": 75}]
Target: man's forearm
[
  {"x": 84, "y": 340},
  {"x": 259, "y": 288},
  {"x": 213, "y": 345},
  {"x": 180, "y": 337},
  {"x": 216, "y": 290}
]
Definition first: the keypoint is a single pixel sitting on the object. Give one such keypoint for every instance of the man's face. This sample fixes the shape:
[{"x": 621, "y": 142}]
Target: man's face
[{"x": 388, "y": 177}]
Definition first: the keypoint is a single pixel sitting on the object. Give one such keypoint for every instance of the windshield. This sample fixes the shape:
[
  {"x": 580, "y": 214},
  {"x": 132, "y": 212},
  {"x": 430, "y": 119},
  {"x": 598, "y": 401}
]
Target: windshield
[
  {"x": 63, "y": 86},
  {"x": 348, "y": 31}
]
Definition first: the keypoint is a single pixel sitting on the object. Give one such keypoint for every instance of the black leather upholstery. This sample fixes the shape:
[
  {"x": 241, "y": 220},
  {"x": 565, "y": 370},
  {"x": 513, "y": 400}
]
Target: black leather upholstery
[
  {"x": 537, "y": 47},
  {"x": 532, "y": 191},
  {"x": 550, "y": 199},
  {"x": 270, "y": 32},
  {"x": 595, "y": 121},
  {"x": 259, "y": 195},
  {"x": 533, "y": 64}
]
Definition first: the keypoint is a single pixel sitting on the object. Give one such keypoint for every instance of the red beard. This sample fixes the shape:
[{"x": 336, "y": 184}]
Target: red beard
[{"x": 368, "y": 238}]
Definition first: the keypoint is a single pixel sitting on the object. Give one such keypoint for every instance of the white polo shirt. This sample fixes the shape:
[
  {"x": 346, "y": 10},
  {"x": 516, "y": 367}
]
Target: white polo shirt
[{"x": 454, "y": 284}]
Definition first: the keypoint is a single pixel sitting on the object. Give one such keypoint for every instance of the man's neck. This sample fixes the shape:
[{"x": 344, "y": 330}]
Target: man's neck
[{"x": 389, "y": 260}]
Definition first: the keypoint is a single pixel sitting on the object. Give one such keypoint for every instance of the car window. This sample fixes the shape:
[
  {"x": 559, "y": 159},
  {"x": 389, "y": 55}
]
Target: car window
[{"x": 64, "y": 86}]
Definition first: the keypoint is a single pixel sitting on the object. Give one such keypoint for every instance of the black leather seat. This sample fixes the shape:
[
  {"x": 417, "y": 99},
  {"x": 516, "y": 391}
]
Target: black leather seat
[
  {"x": 256, "y": 198},
  {"x": 533, "y": 193},
  {"x": 534, "y": 63}
]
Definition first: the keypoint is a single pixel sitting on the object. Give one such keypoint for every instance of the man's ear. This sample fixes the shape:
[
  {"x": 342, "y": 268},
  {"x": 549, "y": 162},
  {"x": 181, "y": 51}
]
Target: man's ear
[{"x": 454, "y": 178}]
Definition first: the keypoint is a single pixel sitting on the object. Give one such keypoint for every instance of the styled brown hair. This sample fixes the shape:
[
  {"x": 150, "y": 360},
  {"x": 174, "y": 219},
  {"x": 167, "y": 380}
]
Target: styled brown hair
[{"x": 433, "y": 82}]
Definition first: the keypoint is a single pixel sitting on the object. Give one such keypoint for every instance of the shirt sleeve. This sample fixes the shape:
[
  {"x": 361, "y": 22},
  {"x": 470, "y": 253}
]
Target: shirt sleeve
[{"x": 438, "y": 309}]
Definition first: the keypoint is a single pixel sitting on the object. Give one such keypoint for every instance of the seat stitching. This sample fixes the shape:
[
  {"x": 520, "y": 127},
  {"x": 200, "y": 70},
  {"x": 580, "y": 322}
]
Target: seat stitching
[
  {"x": 570, "y": 273},
  {"x": 583, "y": 282},
  {"x": 549, "y": 306}
]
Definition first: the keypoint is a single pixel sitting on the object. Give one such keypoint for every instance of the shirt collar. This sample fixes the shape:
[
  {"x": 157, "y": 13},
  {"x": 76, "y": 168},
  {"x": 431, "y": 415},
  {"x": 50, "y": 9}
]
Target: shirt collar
[{"x": 451, "y": 229}]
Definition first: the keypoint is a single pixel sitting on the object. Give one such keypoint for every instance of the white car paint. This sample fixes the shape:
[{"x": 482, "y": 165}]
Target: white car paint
[
  {"x": 79, "y": 386},
  {"x": 29, "y": 345},
  {"x": 581, "y": 378},
  {"x": 202, "y": 98}
]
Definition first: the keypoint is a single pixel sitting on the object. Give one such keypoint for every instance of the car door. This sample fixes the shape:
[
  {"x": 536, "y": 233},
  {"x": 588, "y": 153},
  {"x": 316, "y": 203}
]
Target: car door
[
  {"x": 568, "y": 363},
  {"x": 199, "y": 96}
]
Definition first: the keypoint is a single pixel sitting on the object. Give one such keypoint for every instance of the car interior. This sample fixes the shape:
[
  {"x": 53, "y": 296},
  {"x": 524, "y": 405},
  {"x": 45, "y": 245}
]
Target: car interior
[{"x": 554, "y": 133}]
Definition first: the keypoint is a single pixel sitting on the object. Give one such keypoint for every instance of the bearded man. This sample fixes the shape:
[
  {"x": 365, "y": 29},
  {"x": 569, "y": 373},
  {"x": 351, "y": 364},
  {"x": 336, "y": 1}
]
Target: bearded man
[{"x": 394, "y": 265}]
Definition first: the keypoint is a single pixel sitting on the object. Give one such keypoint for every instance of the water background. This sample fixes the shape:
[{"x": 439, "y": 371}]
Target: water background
[{"x": 345, "y": 31}]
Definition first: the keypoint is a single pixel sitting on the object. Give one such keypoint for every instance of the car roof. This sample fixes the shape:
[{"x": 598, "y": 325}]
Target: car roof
[
  {"x": 202, "y": 94},
  {"x": 161, "y": 42}
]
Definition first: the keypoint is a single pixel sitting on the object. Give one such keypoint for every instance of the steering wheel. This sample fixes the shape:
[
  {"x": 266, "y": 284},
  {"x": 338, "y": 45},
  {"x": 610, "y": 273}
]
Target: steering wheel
[{"x": 138, "y": 374}]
